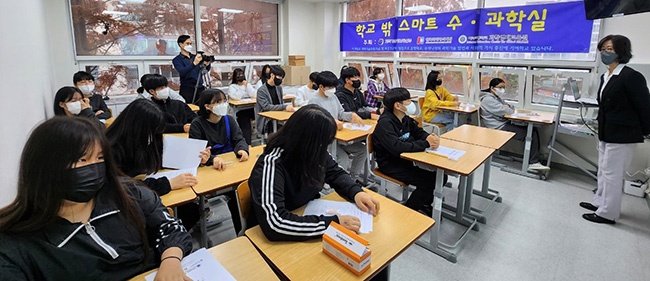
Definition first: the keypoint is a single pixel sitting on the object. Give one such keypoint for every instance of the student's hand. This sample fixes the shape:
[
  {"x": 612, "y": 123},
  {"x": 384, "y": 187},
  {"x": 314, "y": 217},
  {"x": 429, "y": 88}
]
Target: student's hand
[
  {"x": 183, "y": 181},
  {"x": 244, "y": 83},
  {"x": 186, "y": 128},
  {"x": 290, "y": 108},
  {"x": 171, "y": 270},
  {"x": 205, "y": 155},
  {"x": 350, "y": 222},
  {"x": 339, "y": 125},
  {"x": 374, "y": 116},
  {"x": 197, "y": 59},
  {"x": 367, "y": 203},
  {"x": 243, "y": 154},
  {"x": 433, "y": 140},
  {"x": 380, "y": 111},
  {"x": 455, "y": 98},
  {"x": 85, "y": 103},
  {"x": 218, "y": 163},
  {"x": 456, "y": 103},
  {"x": 99, "y": 112},
  {"x": 356, "y": 119}
]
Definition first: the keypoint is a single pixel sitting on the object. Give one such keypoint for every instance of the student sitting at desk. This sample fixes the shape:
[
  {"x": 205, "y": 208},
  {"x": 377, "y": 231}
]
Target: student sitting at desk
[
  {"x": 69, "y": 101},
  {"x": 241, "y": 89},
  {"x": 219, "y": 129},
  {"x": 136, "y": 140},
  {"x": 172, "y": 94},
  {"x": 86, "y": 83},
  {"x": 291, "y": 172},
  {"x": 178, "y": 115},
  {"x": 396, "y": 132},
  {"x": 351, "y": 97},
  {"x": 75, "y": 218},
  {"x": 493, "y": 110},
  {"x": 306, "y": 92},
  {"x": 269, "y": 98},
  {"x": 376, "y": 87},
  {"x": 326, "y": 99},
  {"x": 436, "y": 95}
]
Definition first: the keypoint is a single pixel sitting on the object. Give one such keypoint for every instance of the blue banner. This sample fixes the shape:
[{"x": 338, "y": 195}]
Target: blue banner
[{"x": 547, "y": 28}]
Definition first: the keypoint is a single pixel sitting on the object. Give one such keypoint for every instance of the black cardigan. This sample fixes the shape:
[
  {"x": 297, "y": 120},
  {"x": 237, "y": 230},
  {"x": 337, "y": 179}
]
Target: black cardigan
[{"x": 624, "y": 108}]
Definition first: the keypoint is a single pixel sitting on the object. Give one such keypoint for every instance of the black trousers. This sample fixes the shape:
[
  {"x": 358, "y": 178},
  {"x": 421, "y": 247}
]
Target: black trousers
[
  {"x": 424, "y": 181},
  {"x": 188, "y": 214},
  {"x": 520, "y": 135},
  {"x": 244, "y": 118},
  {"x": 188, "y": 93}
]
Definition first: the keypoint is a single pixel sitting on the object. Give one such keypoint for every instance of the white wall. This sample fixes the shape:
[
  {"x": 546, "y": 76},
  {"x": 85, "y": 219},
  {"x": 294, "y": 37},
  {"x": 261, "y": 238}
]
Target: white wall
[
  {"x": 633, "y": 27},
  {"x": 25, "y": 75}
]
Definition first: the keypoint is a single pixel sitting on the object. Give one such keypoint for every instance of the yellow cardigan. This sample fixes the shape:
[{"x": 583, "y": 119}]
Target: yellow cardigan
[{"x": 431, "y": 102}]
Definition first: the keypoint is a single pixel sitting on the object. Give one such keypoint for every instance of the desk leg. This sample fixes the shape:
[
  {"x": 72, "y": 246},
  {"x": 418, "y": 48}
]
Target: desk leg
[
  {"x": 459, "y": 215},
  {"x": 455, "y": 119},
  {"x": 275, "y": 126},
  {"x": 529, "y": 140},
  {"x": 333, "y": 149},
  {"x": 204, "y": 221},
  {"x": 485, "y": 190}
]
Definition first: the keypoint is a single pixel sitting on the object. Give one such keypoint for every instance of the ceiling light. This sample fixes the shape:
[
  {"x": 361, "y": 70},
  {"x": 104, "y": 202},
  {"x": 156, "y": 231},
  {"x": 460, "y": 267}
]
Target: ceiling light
[
  {"x": 419, "y": 8},
  {"x": 232, "y": 11}
]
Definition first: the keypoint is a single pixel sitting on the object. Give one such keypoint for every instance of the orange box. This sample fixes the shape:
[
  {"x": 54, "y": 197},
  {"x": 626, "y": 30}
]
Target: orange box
[
  {"x": 350, "y": 260},
  {"x": 297, "y": 60}
]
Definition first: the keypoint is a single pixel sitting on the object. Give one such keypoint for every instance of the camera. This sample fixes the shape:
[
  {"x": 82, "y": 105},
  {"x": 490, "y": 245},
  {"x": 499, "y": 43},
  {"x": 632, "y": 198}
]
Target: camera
[{"x": 208, "y": 58}]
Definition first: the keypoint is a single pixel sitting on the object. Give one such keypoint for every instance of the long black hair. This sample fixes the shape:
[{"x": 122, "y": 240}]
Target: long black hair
[
  {"x": 236, "y": 73},
  {"x": 46, "y": 172},
  {"x": 264, "y": 76},
  {"x": 136, "y": 138},
  {"x": 304, "y": 139},
  {"x": 376, "y": 72},
  {"x": 432, "y": 80},
  {"x": 493, "y": 83},
  {"x": 64, "y": 95}
]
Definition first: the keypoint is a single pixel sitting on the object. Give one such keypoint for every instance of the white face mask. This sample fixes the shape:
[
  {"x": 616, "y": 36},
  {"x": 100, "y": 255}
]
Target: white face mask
[
  {"x": 220, "y": 109},
  {"x": 410, "y": 109},
  {"x": 381, "y": 76},
  {"x": 188, "y": 48},
  {"x": 87, "y": 89},
  {"x": 500, "y": 91},
  {"x": 74, "y": 107},
  {"x": 162, "y": 94},
  {"x": 330, "y": 92}
]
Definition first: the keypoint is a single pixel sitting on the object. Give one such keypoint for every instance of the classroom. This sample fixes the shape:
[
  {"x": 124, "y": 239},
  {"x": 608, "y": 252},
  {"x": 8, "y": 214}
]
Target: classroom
[{"x": 325, "y": 140}]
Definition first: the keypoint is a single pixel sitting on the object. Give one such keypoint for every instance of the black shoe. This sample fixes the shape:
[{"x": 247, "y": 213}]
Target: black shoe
[
  {"x": 597, "y": 219},
  {"x": 588, "y": 206},
  {"x": 427, "y": 211}
]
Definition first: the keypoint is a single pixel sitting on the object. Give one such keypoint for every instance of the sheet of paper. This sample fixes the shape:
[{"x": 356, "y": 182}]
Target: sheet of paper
[
  {"x": 172, "y": 174},
  {"x": 470, "y": 105},
  {"x": 450, "y": 153},
  {"x": 246, "y": 100},
  {"x": 181, "y": 153},
  {"x": 523, "y": 114},
  {"x": 329, "y": 208},
  {"x": 201, "y": 266},
  {"x": 357, "y": 127}
]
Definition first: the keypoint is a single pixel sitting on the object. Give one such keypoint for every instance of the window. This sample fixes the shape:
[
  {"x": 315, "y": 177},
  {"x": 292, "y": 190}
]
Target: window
[
  {"x": 221, "y": 74},
  {"x": 420, "y": 7},
  {"x": 115, "y": 79},
  {"x": 454, "y": 78},
  {"x": 547, "y": 85},
  {"x": 513, "y": 76},
  {"x": 367, "y": 10},
  {"x": 256, "y": 71},
  {"x": 167, "y": 70},
  {"x": 358, "y": 66},
  {"x": 412, "y": 76},
  {"x": 591, "y": 56},
  {"x": 388, "y": 70},
  {"x": 239, "y": 28},
  {"x": 128, "y": 28}
]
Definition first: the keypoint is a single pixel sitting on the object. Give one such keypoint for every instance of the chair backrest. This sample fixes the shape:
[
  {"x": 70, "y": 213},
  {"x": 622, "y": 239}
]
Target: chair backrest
[
  {"x": 370, "y": 160},
  {"x": 421, "y": 103},
  {"x": 244, "y": 204}
]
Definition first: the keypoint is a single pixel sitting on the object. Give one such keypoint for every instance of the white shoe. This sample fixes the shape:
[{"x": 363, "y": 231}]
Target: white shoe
[{"x": 538, "y": 167}]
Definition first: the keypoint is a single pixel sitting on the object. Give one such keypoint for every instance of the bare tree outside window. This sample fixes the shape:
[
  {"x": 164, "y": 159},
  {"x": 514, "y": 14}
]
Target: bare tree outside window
[
  {"x": 368, "y": 10},
  {"x": 114, "y": 80}
]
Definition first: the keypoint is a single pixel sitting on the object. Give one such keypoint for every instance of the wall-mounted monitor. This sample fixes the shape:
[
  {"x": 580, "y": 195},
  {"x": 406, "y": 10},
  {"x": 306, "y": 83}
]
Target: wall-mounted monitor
[{"x": 598, "y": 9}]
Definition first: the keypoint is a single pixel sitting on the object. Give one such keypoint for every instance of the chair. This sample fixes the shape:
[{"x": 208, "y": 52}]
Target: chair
[
  {"x": 243, "y": 194},
  {"x": 383, "y": 179},
  {"x": 435, "y": 128}
]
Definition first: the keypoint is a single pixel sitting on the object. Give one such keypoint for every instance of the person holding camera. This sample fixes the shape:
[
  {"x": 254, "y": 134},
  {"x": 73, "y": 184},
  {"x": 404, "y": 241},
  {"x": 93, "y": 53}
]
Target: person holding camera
[{"x": 189, "y": 68}]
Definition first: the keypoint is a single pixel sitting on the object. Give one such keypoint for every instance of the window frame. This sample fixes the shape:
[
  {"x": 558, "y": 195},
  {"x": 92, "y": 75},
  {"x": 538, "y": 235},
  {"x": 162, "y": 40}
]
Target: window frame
[
  {"x": 422, "y": 68},
  {"x": 140, "y": 64},
  {"x": 586, "y": 81},
  {"x": 489, "y": 70},
  {"x": 443, "y": 69},
  {"x": 371, "y": 65}
]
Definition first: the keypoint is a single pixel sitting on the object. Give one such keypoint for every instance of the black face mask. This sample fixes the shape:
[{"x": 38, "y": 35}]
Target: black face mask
[
  {"x": 356, "y": 84},
  {"x": 439, "y": 82},
  {"x": 241, "y": 78},
  {"x": 314, "y": 86},
  {"x": 87, "y": 181},
  {"x": 277, "y": 81}
]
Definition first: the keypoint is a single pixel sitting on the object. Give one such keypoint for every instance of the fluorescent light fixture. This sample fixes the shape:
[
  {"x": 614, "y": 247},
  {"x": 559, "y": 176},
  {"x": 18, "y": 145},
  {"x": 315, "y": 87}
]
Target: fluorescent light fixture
[
  {"x": 161, "y": 16},
  {"x": 117, "y": 13},
  {"x": 232, "y": 11},
  {"x": 419, "y": 8},
  {"x": 202, "y": 20},
  {"x": 120, "y": 6}
]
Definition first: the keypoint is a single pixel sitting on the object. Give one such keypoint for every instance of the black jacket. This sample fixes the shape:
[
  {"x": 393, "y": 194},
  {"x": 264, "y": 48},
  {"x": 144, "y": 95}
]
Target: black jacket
[
  {"x": 392, "y": 137},
  {"x": 97, "y": 103},
  {"x": 624, "y": 108},
  {"x": 66, "y": 251},
  {"x": 276, "y": 191},
  {"x": 202, "y": 129},
  {"x": 177, "y": 114},
  {"x": 353, "y": 102}
]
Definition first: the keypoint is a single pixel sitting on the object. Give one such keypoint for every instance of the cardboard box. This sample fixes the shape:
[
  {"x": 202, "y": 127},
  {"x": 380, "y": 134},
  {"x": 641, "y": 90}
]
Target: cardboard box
[
  {"x": 297, "y": 60},
  {"x": 296, "y": 75},
  {"x": 347, "y": 248}
]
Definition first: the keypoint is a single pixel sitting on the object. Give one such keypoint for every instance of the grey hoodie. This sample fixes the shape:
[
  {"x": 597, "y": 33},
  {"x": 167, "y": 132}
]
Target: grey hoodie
[{"x": 493, "y": 108}]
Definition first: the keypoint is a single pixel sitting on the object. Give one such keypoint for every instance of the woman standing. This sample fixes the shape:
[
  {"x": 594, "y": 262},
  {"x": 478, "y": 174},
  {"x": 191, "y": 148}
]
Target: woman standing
[{"x": 623, "y": 121}]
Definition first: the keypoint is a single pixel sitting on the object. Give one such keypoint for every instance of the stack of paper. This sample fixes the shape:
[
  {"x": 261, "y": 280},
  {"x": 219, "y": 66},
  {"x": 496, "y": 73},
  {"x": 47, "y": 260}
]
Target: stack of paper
[
  {"x": 173, "y": 174},
  {"x": 357, "y": 127},
  {"x": 201, "y": 266},
  {"x": 329, "y": 208},
  {"x": 524, "y": 114},
  {"x": 182, "y": 153},
  {"x": 448, "y": 152}
]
